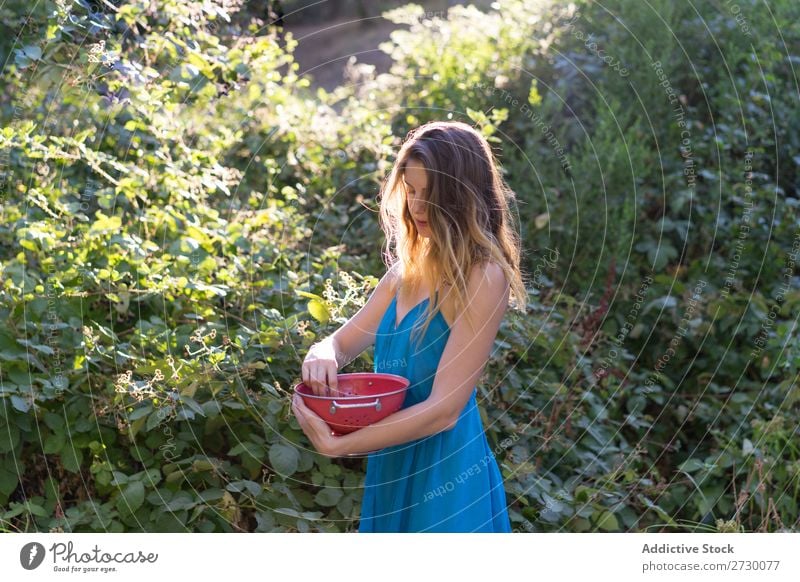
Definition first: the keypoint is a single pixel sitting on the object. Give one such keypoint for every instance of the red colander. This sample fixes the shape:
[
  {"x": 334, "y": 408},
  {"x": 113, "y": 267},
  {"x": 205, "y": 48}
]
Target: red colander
[{"x": 363, "y": 398}]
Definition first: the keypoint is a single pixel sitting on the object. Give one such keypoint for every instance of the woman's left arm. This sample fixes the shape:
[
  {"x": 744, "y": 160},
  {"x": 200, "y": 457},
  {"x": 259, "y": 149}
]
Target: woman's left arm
[{"x": 468, "y": 349}]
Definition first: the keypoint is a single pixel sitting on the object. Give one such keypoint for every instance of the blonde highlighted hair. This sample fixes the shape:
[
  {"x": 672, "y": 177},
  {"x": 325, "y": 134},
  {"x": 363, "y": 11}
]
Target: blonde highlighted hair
[{"x": 468, "y": 215}]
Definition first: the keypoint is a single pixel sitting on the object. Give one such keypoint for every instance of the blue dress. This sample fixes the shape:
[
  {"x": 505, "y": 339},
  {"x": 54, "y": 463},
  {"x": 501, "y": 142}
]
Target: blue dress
[{"x": 446, "y": 482}]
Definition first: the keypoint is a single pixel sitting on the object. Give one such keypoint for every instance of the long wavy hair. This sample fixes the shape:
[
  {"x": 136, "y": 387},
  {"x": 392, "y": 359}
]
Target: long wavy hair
[{"x": 467, "y": 212}]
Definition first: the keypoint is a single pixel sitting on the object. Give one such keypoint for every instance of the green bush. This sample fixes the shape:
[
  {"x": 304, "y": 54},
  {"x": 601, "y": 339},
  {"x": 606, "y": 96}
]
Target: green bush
[
  {"x": 591, "y": 142},
  {"x": 157, "y": 300}
]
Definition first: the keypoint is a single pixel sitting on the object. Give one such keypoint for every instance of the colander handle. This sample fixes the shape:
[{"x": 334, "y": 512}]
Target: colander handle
[{"x": 376, "y": 404}]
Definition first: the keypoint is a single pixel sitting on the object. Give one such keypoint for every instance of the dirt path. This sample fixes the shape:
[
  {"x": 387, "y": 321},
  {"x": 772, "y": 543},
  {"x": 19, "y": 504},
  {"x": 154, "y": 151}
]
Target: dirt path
[{"x": 323, "y": 49}]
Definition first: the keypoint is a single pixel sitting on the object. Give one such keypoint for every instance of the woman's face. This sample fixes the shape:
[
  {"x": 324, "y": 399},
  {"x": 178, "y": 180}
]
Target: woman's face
[{"x": 416, "y": 182}]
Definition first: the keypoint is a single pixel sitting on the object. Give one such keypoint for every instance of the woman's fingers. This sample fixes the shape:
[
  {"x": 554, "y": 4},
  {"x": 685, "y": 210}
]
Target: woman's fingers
[
  {"x": 317, "y": 381},
  {"x": 322, "y": 378},
  {"x": 311, "y": 377},
  {"x": 332, "y": 380},
  {"x": 299, "y": 410},
  {"x": 296, "y": 410}
]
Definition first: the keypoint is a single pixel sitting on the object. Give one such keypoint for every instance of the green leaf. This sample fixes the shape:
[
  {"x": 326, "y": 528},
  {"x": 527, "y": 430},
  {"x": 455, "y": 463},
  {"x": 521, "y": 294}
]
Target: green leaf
[
  {"x": 199, "y": 465},
  {"x": 103, "y": 477},
  {"x": 22, "y": 62},
  {"x": 250, "y": 487},
  {"x": 71, "y": 457},
  {"x": 310, "y": 515},
  {"x": 661, "y": 254},
  {"x": 284, "y": 459},
  {"x": 582, "y": 493},
  {"x": 608, "y": 521},
  {"x": 8, "y": 481},
  {"x": 20, "y": 404},
  {"x": 318, "y": 311},
  {"x": 690, "y": 465},
  {"x": 131, "y": 498},
  {"x": 211, "y": 494},
  {"x": 328, "y": 497},
  {"x": 35, "y": 509},
  {"x": 38, "y": 347},
  {"x": 119, "y": 478},
  {"x": 136, "y": 426},
  {"x": 16, "y": 509},
  {"x": 9, "y": 438},
  {"x": 192, "y": 404},
  {"x": 661, "y": 513},
  {"x": 153, "y": 420},
  {"x": 182, "y": 500},
  {"x": 308, "y": 295},
  {"x": 552, "y": 504},
  {"x": 54, "y": 442},
  {"x": 33, "y": 52},
  {"x": 247, "y": 449},
  {"x": 331, "y": 470},
  {"x": 53, "y": 421},
  {"x": 105, "y": 224},
  {"x": 140, "y": 412}
]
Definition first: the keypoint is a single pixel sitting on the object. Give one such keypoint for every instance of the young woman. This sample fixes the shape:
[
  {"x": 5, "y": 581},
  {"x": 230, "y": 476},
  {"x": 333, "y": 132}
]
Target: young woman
[{"x": 433, "y": 318}]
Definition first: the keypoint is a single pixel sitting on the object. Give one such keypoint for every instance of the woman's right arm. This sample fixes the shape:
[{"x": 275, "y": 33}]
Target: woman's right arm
[{"x": 326, "y": 357}]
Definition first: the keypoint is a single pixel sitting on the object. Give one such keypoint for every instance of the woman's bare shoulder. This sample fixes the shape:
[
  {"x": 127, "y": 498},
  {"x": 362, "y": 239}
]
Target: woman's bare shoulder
[{"x": 394, "y": 277}]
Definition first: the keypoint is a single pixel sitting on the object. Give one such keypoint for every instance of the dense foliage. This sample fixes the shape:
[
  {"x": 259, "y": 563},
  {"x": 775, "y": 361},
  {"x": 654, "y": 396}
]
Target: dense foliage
[{"x": 183, "y": 215}]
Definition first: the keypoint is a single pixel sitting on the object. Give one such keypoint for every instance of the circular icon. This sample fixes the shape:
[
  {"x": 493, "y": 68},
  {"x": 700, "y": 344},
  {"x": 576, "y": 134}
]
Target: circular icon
[{"x": 31, "y": 555}]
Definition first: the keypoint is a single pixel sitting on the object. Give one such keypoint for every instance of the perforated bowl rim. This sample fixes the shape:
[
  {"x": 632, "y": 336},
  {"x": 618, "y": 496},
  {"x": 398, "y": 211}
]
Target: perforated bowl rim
[{"x": 356, "y": 375}]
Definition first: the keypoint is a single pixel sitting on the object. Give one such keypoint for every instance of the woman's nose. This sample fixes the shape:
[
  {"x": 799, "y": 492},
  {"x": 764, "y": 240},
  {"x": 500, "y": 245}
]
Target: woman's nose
[{"x": 417, "y": 207}]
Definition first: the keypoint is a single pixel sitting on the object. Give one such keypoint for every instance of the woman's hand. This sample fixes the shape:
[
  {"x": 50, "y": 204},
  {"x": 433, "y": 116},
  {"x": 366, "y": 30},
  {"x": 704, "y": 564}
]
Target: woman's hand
[
  {"x": 321, "y": 367},
  {"x": 316, "y": 429}
]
